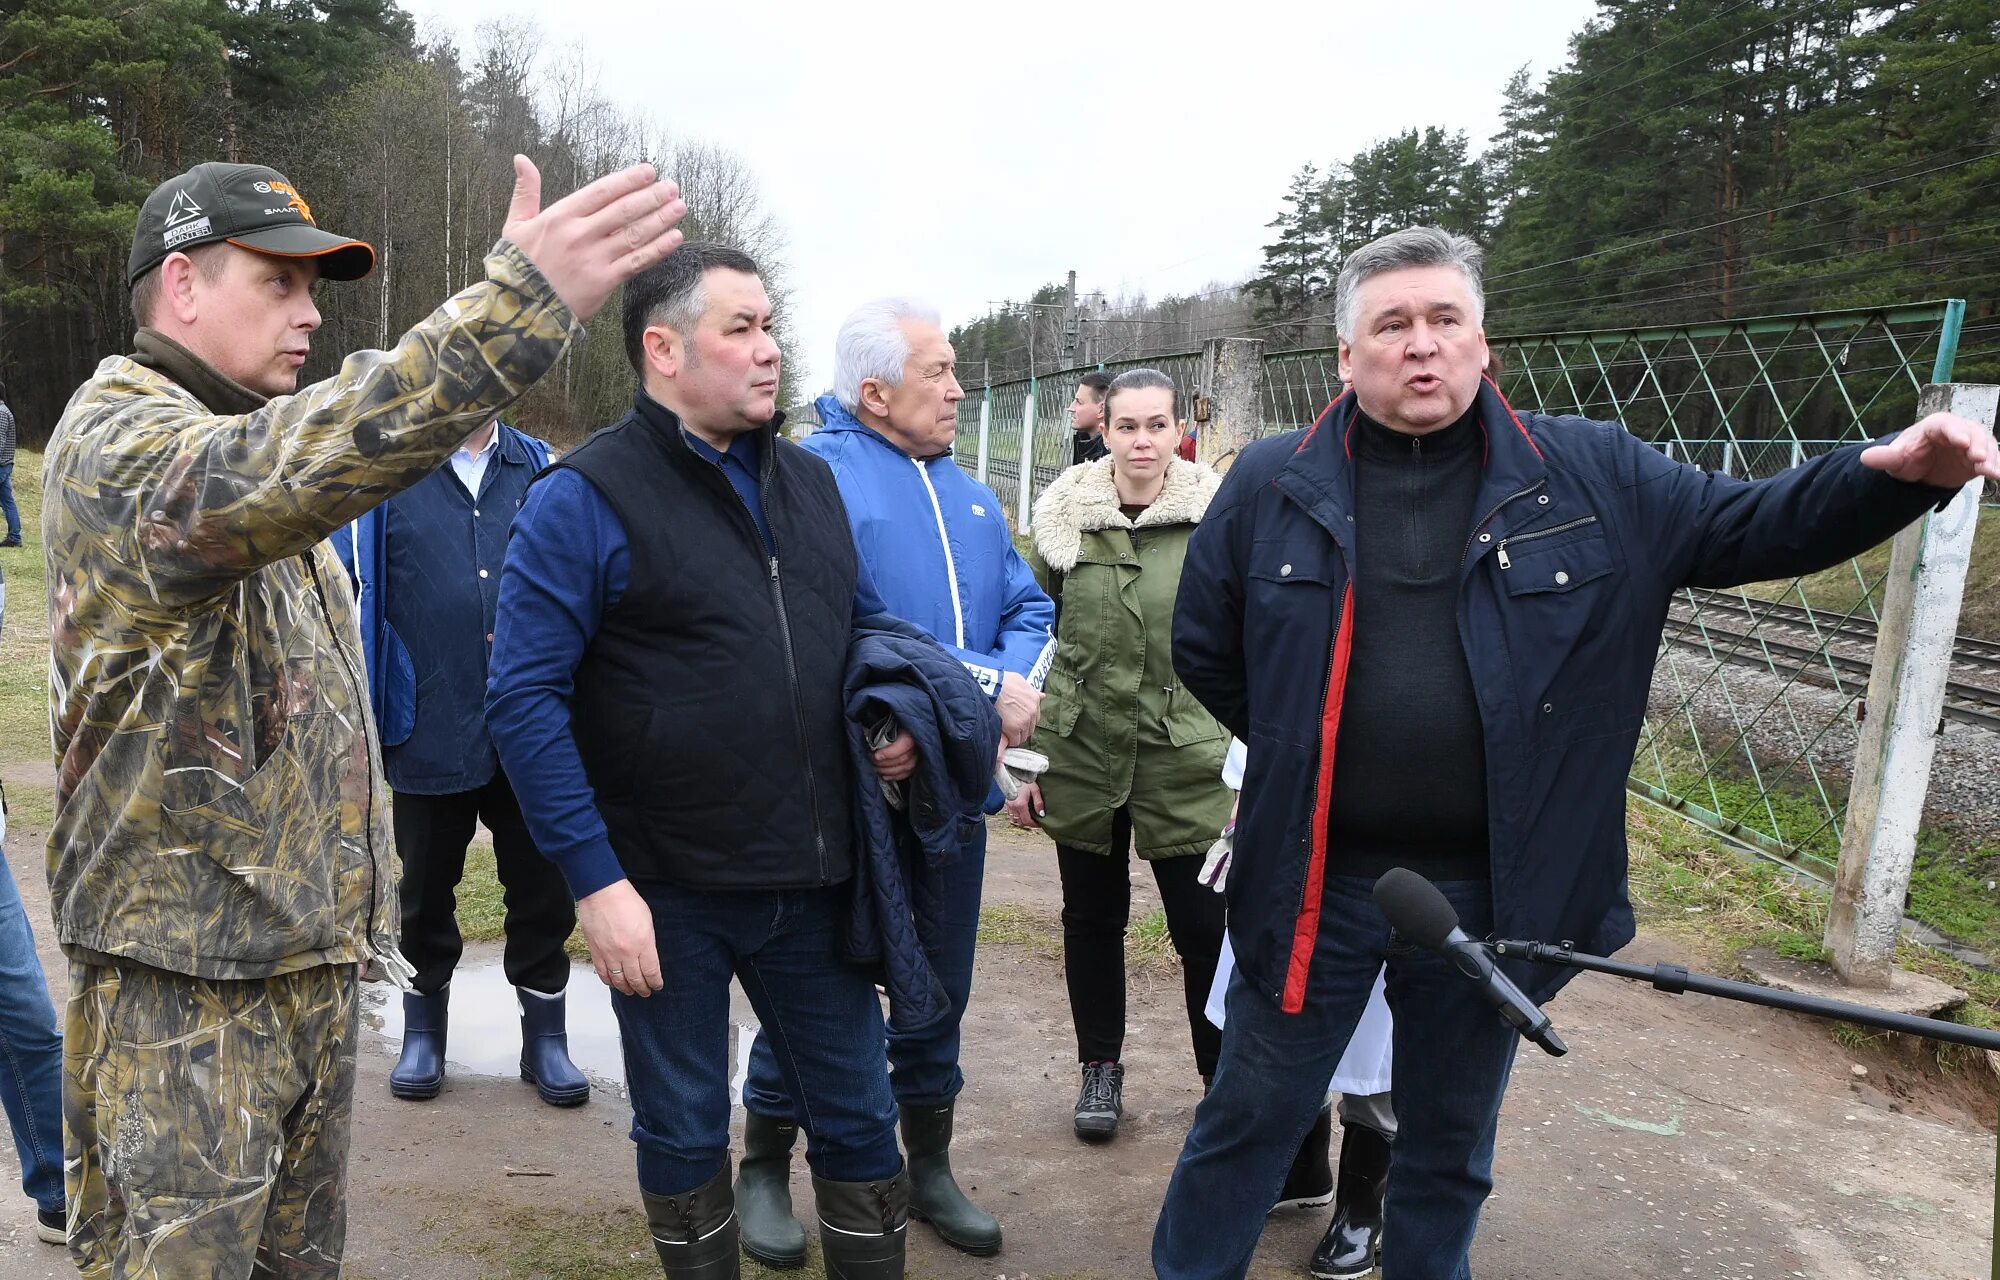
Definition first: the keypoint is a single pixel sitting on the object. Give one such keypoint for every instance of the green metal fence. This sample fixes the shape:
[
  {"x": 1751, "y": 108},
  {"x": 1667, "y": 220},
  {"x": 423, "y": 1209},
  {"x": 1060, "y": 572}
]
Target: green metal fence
[{"x": 1755, "y": 696}]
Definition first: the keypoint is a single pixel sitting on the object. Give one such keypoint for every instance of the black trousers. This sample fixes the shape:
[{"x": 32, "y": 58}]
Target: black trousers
[
  {"x": 1097, "y": 903},
  {"x": 432, "y": 833}
]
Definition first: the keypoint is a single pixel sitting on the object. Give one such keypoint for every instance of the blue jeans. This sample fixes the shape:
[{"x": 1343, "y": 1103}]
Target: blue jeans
[
  {"x": 30, "y": 1053},
  {"x": 1453, "y": 1057},
  {"x": 822, "y": 1015},
  {"x": 924, "y": 1064},
  {"x": 7, "y": 507}
]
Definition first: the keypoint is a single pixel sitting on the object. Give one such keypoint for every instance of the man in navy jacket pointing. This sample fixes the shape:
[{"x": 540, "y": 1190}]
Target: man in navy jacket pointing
[{"x": 1434, "y": 621}]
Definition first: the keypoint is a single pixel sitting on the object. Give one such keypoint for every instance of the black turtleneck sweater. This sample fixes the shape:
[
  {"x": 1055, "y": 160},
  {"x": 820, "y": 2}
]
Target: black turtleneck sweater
[{"x": 1409, "y": 778}]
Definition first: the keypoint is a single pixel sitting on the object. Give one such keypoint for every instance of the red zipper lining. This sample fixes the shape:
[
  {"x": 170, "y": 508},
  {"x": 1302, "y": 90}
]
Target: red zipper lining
[{"x": 1305, "y": 931}]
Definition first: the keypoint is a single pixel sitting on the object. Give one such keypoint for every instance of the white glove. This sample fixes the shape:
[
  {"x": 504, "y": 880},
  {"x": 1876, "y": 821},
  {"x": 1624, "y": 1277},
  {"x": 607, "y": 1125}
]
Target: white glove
[{"x": 1215, "y": 867}]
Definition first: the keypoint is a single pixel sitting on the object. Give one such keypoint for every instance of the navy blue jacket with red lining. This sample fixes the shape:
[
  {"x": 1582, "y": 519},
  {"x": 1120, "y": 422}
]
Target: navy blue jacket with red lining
[{"x": 1581, "y": 535}]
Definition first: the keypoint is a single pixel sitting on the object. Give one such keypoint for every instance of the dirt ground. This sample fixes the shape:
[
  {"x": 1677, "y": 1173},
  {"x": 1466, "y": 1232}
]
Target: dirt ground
[{"x": 1681, "y": 1137}]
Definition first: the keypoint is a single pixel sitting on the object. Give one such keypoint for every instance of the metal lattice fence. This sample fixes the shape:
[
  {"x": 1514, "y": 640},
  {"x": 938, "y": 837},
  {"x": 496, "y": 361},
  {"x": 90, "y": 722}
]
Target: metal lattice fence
[{"x": 1756, "y": 693}]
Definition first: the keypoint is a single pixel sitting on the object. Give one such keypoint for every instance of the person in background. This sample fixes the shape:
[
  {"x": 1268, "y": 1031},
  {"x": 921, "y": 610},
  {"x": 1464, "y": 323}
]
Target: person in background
[
  {"x": 1086, "y": 418},
  {"x": 426, "y": 568},
  {"x": 935, "y": 543},
  {"x": 1134, "y": 760},
  {"x": 9, "y": 439}
]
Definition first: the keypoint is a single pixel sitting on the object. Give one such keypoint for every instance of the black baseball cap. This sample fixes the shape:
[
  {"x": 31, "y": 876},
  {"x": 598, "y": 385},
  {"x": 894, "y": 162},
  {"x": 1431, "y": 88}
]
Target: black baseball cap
[{"x": 247, "y": 205}]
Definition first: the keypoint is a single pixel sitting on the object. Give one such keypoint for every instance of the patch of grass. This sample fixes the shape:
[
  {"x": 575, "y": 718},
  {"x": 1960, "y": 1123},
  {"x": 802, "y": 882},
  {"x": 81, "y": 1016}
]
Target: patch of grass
[
  {"x": 1012, "y": 924},
  {"x": 1148, "y": 943},
  {"x": 1948, "y": 880},
  {"x": 1689, "y": 885},
  {"x": 24, "y": 641},
  {"x": 559, "y": 1244}
]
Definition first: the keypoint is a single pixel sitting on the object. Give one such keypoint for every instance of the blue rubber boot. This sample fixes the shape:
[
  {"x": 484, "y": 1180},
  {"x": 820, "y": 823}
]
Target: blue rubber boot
[
  {"x": 545, "y": 1051},
  {"x": 419, "y": 1073}
]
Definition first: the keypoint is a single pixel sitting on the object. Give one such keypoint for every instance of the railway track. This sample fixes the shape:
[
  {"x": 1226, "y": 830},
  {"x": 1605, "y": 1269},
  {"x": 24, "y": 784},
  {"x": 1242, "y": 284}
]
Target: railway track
[{"x": 1752, "y": 646}]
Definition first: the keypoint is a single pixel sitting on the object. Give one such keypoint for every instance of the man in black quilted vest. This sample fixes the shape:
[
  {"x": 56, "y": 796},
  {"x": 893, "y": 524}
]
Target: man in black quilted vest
[{"x": 674, "y": 621}]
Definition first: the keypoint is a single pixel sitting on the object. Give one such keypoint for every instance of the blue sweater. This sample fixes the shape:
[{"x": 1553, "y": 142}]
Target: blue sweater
[{"x": 568, "y": 563}]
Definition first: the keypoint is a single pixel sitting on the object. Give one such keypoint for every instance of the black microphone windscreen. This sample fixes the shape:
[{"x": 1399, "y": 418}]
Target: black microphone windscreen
[{"x": 1414, "y": 907}]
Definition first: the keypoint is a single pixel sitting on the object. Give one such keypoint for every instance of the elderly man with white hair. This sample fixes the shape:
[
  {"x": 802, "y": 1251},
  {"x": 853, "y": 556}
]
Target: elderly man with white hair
[{"x": 937, "y": 544}]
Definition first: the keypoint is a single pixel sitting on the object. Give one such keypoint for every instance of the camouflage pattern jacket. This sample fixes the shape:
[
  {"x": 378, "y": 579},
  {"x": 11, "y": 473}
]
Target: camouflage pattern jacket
[{"x": 220, "y": 809}]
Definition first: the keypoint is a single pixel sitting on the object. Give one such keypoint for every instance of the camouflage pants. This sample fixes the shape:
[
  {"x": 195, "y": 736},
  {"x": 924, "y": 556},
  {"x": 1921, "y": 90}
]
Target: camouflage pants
[{"x": 206, "y": 1122}]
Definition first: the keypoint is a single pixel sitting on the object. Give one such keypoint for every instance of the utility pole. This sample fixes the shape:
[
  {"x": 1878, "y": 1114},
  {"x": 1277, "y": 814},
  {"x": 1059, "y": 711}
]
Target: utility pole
[{"x": 1069, "y": 332}]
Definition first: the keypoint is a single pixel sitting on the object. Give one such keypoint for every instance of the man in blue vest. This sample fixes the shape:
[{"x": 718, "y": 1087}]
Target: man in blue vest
[
  {"x": 936, "y": 544},
  {"x": 426, "y": 566}
]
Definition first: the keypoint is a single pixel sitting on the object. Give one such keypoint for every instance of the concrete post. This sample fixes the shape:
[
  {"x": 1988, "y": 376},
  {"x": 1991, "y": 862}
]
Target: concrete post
[
  {"x": 985, "y": 428},
  {"x": 1228, "y": 405},
  {"x": 1892, "y": 762},
  {"x": 1027, "y": 463}
]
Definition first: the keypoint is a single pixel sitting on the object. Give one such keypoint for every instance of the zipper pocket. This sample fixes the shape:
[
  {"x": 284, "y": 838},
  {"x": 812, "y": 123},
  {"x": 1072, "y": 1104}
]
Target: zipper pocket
[{"x": 1500, "y": 552}]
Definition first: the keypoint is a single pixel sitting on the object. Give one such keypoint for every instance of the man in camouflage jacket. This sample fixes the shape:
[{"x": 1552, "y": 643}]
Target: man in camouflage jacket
[{"x": 220, "y": 865}]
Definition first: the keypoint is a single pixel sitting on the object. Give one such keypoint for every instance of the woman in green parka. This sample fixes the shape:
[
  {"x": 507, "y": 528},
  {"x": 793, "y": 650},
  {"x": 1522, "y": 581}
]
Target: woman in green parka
[{"x": 1134, "y": 761}]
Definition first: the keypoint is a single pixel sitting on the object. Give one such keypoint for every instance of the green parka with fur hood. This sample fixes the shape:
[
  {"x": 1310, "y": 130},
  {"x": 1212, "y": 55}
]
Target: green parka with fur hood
[{"x": 1116, "y": 726}]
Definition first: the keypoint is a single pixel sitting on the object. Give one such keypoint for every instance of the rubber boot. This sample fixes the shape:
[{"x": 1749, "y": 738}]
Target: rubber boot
[
  {"x": 771, "y": 1233},
  {"x": 419, "y": 1073},
  {"x": 545, "y": 1060},
  {"x": 863, "y": 1227},
  {"x": 1310, "y": 1182},
  {"x": 695, "y": 1232},
  {"x": 934, "y": 1194},
  {"x": 1353, "y": 1241}
]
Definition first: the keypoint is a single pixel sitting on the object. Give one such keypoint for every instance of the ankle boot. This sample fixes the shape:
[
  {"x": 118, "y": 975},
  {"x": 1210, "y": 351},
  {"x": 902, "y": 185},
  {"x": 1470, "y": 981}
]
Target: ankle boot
[
  {"x": 1100, "y": 1102},
  {"x": 771, "y": 1234},
  {"x": 863, "y": 1227},
  {"x": 419, "y": 1072},
  {"x": 545, "y": 1060},
  {"x": 1353, "y": 1241},
  {"x": 934, "y": 1194},
  {"x": 1310, "y": 1182},
  {"x": 695, "y": 1232}
]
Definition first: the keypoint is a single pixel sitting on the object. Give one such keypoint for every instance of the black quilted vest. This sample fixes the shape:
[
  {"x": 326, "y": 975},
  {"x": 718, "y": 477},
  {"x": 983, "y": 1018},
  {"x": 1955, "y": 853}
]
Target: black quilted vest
[{"x": 708, "y": 706}]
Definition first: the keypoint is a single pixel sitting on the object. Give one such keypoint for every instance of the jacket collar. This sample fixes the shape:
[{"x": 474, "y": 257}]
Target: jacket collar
[
  {"x": 835, "y": 416},
  {"x": 1084, "y": 499},
  {"x": 1319, "y": 476}
]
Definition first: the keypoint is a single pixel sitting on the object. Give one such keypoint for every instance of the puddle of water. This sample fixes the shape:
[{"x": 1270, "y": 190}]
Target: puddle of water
[{"x": 483, "y": 1036}]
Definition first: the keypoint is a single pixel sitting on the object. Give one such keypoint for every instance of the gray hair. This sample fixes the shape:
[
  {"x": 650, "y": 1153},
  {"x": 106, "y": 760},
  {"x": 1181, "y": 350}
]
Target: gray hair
[
  {"x": 1142, "y": 380},
  {"x": 1410, "y": 247},
  {"x": 872, "y": 344}
]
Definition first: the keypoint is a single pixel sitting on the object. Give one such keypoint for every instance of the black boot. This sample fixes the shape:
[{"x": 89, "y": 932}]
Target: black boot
[
  {"x": 545, "y": 1060},
  {"x": 419, "y": 1072},
  {"x": 1354, "y": 1239},
  {"x": 695, "y": 1232},
  {"x": 1101, "y": 1101},
  {"x": 771, "y": 1234},
  {"x": 934, "y": 1194},
  {"x": 863, "y": 1227},
  {"x": 1310, "y": 1182}
]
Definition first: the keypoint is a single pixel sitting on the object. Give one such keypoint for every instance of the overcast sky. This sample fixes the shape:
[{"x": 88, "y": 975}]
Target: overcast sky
[{"x": 968, "y": 153}]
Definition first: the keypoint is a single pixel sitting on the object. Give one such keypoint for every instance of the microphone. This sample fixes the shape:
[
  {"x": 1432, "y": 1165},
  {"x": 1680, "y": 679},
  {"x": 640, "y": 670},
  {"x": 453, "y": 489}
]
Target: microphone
[{"x": 1420, "y": 913}]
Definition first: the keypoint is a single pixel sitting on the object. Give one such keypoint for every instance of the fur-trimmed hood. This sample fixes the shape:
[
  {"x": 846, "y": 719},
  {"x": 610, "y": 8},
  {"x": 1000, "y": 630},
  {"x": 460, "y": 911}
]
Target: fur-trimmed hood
[{"x": 1084, "y": 499}]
